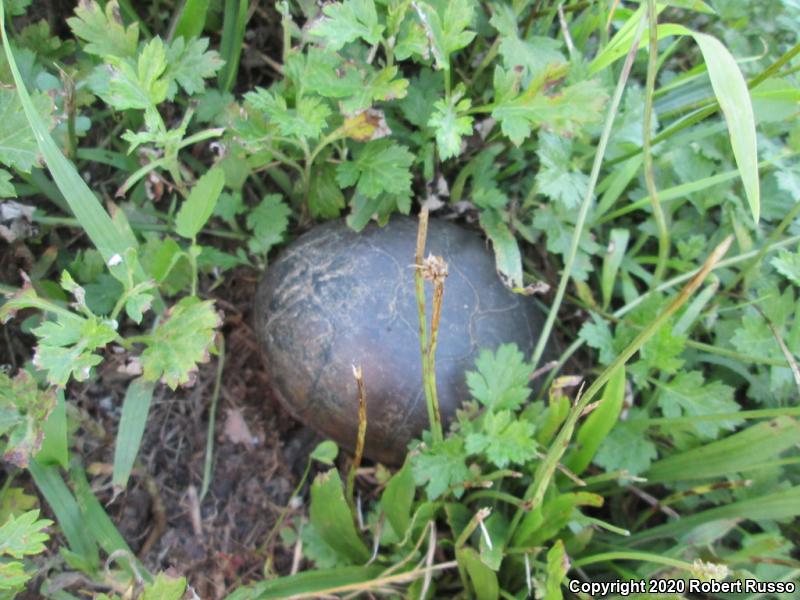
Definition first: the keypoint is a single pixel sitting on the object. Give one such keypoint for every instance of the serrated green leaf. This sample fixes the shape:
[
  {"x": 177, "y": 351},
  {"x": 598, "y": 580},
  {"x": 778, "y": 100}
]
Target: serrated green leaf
[
  {"x": 103, "y": 31},
  {"x": 325, "y": 198},
  {"x": 141, "y": 85},
  {"x": 23, "y": 535},
  {"x": 503, "y": 439},
  {"x": 189, "y": 64},
  {"x": 332, "y": 518},
  {"x": 345, "y": 22},
  {"x": 557, "y": 178},
  {"x": 380, "y": 166},
  {"x": 449, "y": 126},
  {"x": 377, "y": 86},
  {"x": 268, "y": 221},
  {"x": 501, "y": 379},
  {"x": 164, "y": 588},
  {"x": 687, "y": 394},
  {"x": 24, "y": 408},
  {"x": 180, "y": 342},
  {"x": 788, "y": 264},
  {"x": 440, "y": 467},
  {"x": 18, "y": 147},
  {"x": 627, "y": 447},
  {"x": 445, "y": 26},
  {"x": 306, "y": 120},
  {"x": 597, "y": 334},
  {"x": 7, "y": 189},
  {"x": 199, "y": 206},
  {"x": 563, "y": 112}
]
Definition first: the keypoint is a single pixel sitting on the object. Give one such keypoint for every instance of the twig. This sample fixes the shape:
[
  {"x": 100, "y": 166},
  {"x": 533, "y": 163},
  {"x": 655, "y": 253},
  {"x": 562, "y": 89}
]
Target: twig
[{"x": 362, "y": 431}]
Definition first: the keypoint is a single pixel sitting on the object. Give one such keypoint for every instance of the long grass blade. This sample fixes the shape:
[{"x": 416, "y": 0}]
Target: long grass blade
[{"x": 135, "y": 409}]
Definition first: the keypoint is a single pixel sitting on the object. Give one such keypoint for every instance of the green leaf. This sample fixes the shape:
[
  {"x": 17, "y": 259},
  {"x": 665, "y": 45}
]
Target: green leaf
[
  {"x": 189, "y": 64},
  {"x": 346, "y": 22},
  {"x": 745, "y": 451},
  {"x": 503, "y": 439},
  {"x": 377, "y": 86},
  {"x": 483, "y": 579},
  {"x": 18, "y": 147},
  {"x": 597, "y": 334},
  {"x": 440, "y": 467},
  {"x": 142, "y": 85},
  {"x": 325, "y": 198},
  {"x": 380, "y": 166},
  {"x": 199, "y": 206},
  {"x": 23, "y": 411},
  {"x": 180, "y": 341},
  {"x": 449, "y": 126},
  {"x": 268, "y": 221},
  {"x": 598, "y": 424},
  {"x": 507, "y": 257},
  {"x": 164, "y": 588},
  {"x": 501, "y": 379},
  {"x": 731, "y": 91},
  {"x": 23, "y": 535},
  {"x": 315, "y": 582},
  {"x": 104, "y": 33},
  {"x": 564, "y": 112},
  {"x": 446, "y": 27},
  {"x": 615, "y": 253},
  {"x": 627, "y": 447},
  {"x": 332, "y": 518},
  {"x": 135, "y": 408},
  {"x": 556, "y": 570},
  {"x": 50, "y": 484},
  {"x": 557, "y": 178},
  {"x": 325, "y": 452},
  {"x": 7, "y": 189},
  {"x": 54, "y": 449},
  {"x": 788, "y": 264},
  {"x": 306, "y": 120},
  {"x": 191, "y": 19},
  {"x": 398, "y": 498},
  {"x": 687, "y": 394}
]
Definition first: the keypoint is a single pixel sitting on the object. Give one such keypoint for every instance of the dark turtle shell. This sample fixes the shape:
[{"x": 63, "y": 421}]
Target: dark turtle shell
[{"x": 337, "y": 298}]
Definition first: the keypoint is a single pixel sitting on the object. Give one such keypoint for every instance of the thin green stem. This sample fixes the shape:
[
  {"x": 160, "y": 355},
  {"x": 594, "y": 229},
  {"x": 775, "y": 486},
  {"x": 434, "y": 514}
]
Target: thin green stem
[
  {"x": 587, "y": 200},
  {"x": 649, "y": 171},
  {"x": 658, "y": 559},
  {"x": 212, "y": 419}
]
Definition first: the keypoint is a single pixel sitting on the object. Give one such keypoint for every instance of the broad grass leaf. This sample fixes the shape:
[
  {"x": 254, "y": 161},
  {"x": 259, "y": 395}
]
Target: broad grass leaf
[
  {"x": 746, "y": 450},
  {"x": 733, "y": 96},
  {"x": 599, "y": 423},
  {"x": 397, "y": 499},
  {"x": 333, "y": 519},
  {"x": 483, "y": 579},
  {"x": 199, "y": 206},
  {"x": 135, "y": 408}
]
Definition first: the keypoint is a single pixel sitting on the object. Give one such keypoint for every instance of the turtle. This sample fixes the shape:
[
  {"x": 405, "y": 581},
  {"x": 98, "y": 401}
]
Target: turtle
[{"x": 337, "y": 299}]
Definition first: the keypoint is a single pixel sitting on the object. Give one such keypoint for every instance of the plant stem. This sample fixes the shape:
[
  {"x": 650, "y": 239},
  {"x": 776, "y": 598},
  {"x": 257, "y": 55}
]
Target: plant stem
[
  {"x": 362, "y": 434},
  {"x": 649, "y": 173},
  {"x": 212, "y": 419},
  {"x": 632, "y": 555},
  {"x": 587, "y": 200}
]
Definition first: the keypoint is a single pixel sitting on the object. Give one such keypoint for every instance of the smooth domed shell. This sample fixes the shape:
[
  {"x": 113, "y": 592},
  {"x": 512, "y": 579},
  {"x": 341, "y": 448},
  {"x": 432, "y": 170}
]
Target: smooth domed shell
[{"x": 336, "y": 298}]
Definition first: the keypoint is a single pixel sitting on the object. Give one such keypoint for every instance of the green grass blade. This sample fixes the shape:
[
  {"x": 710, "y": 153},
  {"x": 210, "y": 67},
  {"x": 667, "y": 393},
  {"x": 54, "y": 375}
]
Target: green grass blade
[
  {"x": 780, "y": 505},
  {"x": 66, "y": 509},
  {"x": 54, "y": 449},
  {"x": 81, "y": 200},
  {"x": 733, "y": 454},
  {"x": 191, "y": 19},
  {"x": 733, "y": 96},
  {"x": 233, "y": 28},
  {"x": 135, "y": 409},
  {"x": 319, "y": 582},
  {"x": 95, "y": 519},
  {"x": 333, "y": 520}
]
